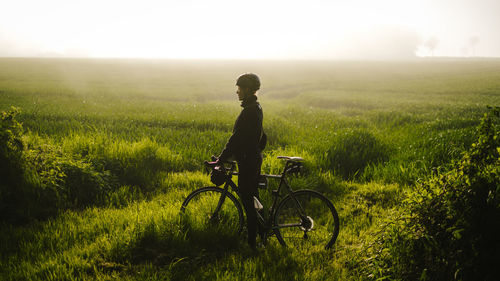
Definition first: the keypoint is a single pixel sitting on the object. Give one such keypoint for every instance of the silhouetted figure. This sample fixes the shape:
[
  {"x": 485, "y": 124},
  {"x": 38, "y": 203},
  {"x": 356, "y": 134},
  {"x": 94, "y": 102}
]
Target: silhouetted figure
[{"x": 245, "y": 145}]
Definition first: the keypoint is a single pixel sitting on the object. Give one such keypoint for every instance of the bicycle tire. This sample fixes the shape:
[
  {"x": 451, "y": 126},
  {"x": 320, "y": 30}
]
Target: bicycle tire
[
  {"x": 201, "y": 204},
  {"x": 319, "y": 225}
]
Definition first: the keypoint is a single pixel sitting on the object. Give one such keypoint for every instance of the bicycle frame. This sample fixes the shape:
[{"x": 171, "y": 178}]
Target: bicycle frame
[
  {"x": 276, "y": 196},
  {"x": 268, "y": 223}
]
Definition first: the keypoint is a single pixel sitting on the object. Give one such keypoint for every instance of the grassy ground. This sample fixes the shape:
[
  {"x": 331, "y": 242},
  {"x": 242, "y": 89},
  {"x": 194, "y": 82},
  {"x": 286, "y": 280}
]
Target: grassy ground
[{"x": 368, "y": 130}]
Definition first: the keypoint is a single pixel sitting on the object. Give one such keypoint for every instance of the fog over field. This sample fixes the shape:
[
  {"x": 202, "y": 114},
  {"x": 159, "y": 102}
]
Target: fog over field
[{"x": 317, "y": 29}]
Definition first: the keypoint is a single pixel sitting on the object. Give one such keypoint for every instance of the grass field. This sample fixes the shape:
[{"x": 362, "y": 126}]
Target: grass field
[{"x": 142, "y": 128}]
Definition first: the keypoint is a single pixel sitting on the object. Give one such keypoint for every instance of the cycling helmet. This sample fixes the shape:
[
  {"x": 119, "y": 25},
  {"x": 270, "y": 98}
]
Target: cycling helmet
[{"x": 249, "y": 80}]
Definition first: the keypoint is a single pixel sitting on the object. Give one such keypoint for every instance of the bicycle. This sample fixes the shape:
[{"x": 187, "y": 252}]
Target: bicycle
[{"x": 297, "y": 217}]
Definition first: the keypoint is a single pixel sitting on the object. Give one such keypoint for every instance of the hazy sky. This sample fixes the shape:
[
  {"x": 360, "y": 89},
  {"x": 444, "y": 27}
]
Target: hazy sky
[{"x": 267, "y": 29}]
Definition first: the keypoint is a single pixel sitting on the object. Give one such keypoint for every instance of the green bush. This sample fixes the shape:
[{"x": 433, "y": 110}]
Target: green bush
[
  {"x": 25, "y": 192},
  {"x": 84, "y": 185},
  {"x": 353, "y": 150},
  {"x": 451, "y": 222},
  {"x": 11, "y": 163},
  {"x": 38, "y": 179}
]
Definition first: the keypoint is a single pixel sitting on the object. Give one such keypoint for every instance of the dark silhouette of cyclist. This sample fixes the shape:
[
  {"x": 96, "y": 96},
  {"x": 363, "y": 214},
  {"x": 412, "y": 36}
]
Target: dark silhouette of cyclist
[{"x": 245, "y": 145}]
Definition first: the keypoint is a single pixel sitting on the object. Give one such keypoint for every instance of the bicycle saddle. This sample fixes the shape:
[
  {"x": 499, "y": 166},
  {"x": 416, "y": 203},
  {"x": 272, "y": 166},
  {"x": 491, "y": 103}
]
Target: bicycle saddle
[{"x": 291, "y": 158}]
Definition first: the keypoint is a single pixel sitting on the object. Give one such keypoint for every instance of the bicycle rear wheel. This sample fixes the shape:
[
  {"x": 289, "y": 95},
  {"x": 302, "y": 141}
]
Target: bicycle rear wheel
[
  {"x": 213, "y": 209},
  {"x": 306, "y": 218}
]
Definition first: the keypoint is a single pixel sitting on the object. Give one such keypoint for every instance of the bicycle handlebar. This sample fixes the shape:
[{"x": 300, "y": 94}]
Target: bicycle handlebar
[
  {"x": 210, "y": 164},
  {"x": 293, "y": 165}
]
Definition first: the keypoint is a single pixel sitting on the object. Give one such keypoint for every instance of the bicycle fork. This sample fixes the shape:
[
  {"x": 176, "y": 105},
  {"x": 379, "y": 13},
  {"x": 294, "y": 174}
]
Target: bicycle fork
[{"x": 222, "y": 198}]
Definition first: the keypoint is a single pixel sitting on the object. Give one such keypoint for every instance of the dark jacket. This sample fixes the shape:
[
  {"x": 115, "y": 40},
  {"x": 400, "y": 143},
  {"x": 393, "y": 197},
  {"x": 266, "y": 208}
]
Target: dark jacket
[{"x": 247, "y": 132}]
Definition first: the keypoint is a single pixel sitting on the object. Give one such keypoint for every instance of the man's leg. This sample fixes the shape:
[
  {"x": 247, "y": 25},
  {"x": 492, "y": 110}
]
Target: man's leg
[
  {"x": 247, "y": 182},
  {"x": 247, "y": 199}
]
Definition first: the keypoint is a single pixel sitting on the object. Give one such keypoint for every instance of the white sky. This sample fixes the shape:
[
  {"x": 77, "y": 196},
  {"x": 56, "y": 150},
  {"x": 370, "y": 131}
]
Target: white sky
[{"x": 312, "y": 29}]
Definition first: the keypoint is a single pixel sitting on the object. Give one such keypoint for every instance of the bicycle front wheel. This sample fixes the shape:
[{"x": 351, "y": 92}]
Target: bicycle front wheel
[
  {"x": 211, "y": 209},
  {"x": 306, "y": 218}
]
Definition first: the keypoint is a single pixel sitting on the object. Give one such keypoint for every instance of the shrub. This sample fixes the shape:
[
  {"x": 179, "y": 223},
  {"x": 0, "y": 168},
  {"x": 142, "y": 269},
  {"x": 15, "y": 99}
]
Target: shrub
[
  {"x": 451, "y": 222},
  {"x": 59, "y": 181},
  {"x": 11, "y": 163},
  {"x": 353, "y": 151},
  {"x": 38, "y": 179},
  {"x": 84, "y": 185}
]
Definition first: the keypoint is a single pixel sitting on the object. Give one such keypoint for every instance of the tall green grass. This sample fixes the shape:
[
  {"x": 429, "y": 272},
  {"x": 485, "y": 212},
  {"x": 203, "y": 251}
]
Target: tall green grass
[{"x": 113, "y": 146}]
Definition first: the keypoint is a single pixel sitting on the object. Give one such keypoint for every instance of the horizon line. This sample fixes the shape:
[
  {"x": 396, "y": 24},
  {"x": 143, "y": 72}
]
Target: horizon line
[{"x": 261, "y": 59}]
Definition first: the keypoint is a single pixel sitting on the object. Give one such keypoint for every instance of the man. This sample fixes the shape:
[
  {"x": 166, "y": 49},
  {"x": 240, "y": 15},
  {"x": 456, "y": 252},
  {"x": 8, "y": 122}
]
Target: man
[{"x": 245, "y": 145}]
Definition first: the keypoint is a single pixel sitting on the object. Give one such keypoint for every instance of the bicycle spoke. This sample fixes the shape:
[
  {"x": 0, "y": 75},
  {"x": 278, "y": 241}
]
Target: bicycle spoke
[
  {"x": 206, "y": 211},
  {"x": 318, "y": 224}
]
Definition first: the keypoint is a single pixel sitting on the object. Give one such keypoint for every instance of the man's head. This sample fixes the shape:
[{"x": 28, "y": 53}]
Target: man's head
[{"x": 248, "y": 84}]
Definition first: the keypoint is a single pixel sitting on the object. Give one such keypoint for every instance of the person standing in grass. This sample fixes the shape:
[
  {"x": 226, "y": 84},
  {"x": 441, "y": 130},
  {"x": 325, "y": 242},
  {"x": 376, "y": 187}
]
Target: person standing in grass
[{"x": 245, "y": 145}]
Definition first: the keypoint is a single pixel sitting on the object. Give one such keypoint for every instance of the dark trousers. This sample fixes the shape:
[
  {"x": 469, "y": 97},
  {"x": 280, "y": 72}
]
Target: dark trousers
[{"x": 249, "y": 172}]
